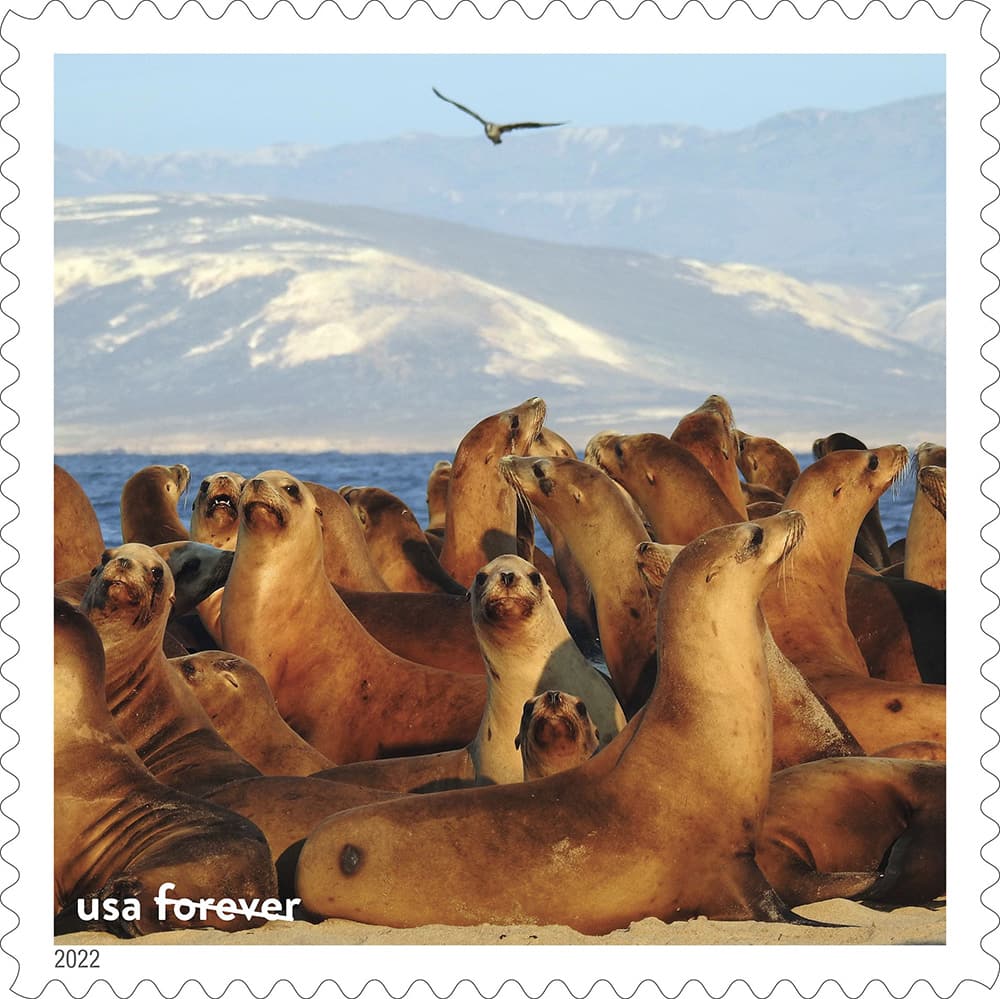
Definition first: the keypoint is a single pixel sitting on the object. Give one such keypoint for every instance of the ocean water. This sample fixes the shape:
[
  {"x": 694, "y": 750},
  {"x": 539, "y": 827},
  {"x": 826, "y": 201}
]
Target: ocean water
[{"x": 103, "y": 475}]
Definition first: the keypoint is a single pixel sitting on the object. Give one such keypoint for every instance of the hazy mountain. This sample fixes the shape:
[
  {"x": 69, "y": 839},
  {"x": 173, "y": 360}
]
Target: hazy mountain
[
  {"x": 205, "y": 322},
  {"x": 856, "y": 197}
]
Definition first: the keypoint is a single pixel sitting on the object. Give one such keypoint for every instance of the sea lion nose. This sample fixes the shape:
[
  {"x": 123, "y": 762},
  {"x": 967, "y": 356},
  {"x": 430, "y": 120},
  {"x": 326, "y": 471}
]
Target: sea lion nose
[
  {"x": 643, "y": 547},
  {"x": 123, "y": 563},
  {"x": 553, "y": 697},
  {"x": 507, "y": 578}
]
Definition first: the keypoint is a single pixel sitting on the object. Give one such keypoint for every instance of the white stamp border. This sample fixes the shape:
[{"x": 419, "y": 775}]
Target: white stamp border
[{"x": 32, "y": 35}]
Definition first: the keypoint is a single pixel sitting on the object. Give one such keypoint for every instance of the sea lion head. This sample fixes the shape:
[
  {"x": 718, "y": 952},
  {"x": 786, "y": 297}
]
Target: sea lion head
[
  {"x": 931, "y": 454},
  {"x": 214, "y": 514},
  {"x": 371, "y": 505},
  {"x": 548, "y": 443},
  {"x": 548, "y": 481},
  {"x": 635, "y": 457},
  {"x": 556, "y": 733},
  {"x": 853, "y": 480},
  {"x": 823, "y": 446},
  {"x": 508, "y": 432},
  {"x": 132, "y": 585},
  {"x": 736, "y": 559},
  {"x": 506, "y": 592},
  {"x": 932, "y": 481},
  {"x": 198, "y": 570},
  {"x": 226, "y": 685},
  {"x": 272, "y": 501},
  {"x": 653, "y": 560}
]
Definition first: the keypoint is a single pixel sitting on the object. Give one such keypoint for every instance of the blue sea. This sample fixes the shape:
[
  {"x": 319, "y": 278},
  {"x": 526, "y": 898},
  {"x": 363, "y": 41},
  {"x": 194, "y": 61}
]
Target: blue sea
[{"x": 103, "y": 475}]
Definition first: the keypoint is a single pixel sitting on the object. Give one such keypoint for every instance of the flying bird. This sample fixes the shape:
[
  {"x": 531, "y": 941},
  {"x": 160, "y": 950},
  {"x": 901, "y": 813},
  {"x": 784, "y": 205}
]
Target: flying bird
[{"x": 493, "y": 131}]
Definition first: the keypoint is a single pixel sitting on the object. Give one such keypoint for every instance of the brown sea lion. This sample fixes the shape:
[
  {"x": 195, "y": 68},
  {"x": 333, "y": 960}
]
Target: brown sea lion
[
  {"x": 556, "y": 733},
  {"x": 871, "y": 543},
  {"x": 214, "y": 519},
  {"x": 128, "y": 601},
  {"x": 680, "y": 499},
  {"x": 601, "y": 529},
  {"x": 926, "y": 535},
  {"x": 76, "y": 530},
  {"x": 805, "y": 728},
  {"x": 623, "y": 835},
  {"x": 871, "y": 829},
  {"x": 241, "y": 707},
  {"x": 149, "y": 505},
  {"x": 343, "y": 692},
  {"x": 481, "y": 516},
  {"x": 807, "y": 610},
  {"x": 710, "y": 434},
  {"x": 437, "y": 495},
  {"x": 397, "y": 545},
  {"x": 527, "y": 648},
  {"x": 119, "y": 833},
  {"x": 765, "y": 462}
]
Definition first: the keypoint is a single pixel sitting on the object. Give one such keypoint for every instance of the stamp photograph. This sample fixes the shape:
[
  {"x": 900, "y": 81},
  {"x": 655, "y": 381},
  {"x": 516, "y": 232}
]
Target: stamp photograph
[{"x": 498, "y": 499}]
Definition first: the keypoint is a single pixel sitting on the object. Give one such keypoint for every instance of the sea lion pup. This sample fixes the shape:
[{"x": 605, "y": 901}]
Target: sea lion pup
[
  {"x": 343, "y": 692},
  {"x": 765, "y": 462},
  {"x": 556, "y": 733},
  {"x": 241, "y": 707},
  {"x": 924, "y": 557},
  {"x": 149, "y": 505},
  {"x": 128, "y": 601},
  {"x": 602, "y": 529},
  {"x": 121, "y": 834},
  {"x": 397, "y": 544},
  {"x": 805, "y": 728},
  {"x": 871, "y": 543},
  {"x": 437, "y": 496},
  {"x": 527, "y": 649},
  {"x": 75, "y": 528},
  {"x": 624, "y": 836},
  {"x": 709, "y": 433},
  {"x": 832, "y": 825},
  {"x": 481, "y": 512},
  {"x": 807, "y": 608},
  {"x": 679, "y": 497}
]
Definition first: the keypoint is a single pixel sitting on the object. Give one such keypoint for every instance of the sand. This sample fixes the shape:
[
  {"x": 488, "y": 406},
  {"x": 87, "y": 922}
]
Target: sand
[{"x": 861, "y": 925}]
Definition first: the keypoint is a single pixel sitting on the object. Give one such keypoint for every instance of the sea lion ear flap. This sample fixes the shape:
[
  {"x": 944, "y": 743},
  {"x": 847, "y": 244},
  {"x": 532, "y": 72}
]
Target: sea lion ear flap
[
  {"x": 319, "y": 513},
  {"x": 229, "y": 678}
]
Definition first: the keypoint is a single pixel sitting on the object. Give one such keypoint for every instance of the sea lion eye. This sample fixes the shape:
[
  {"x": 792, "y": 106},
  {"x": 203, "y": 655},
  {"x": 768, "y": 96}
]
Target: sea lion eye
[
  {"x": 619, "y": 453},
  {"x": 188, "y": 668},
  {"x": 538, "y": 471},
  {"x": 203, "y": 488},
  {"x": 293, "y": 490},
  {"x": 515, "y": 422},
  {"x": 535, "y": 579},
  {"x": 756, "y": 536},
  {"x": 873, "y": 463},
  {"x": 157, "y": 572},
  {"x": 581, "y": 709},
  {"x": 481, "y": 579},
  {"x": 106, "y": 558}
]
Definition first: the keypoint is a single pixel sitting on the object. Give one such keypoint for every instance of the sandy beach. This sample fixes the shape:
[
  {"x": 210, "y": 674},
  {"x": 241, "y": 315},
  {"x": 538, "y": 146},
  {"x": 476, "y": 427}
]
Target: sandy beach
[{"x": 858, "y": 925}]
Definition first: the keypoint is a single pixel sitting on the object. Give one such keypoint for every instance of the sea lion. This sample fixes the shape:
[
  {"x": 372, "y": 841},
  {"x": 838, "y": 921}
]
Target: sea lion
[
  {"x": 623, "y": 835},
  {"x": 75, "y": 528},
  {"x": 343, "y": 692},
  {"x": 527, "y": 649},
  {"x": 556, "y": 733},
  {"x": 128, "y": 601},
  {"x": 602, "y": 529},
  {"x": 241, "y": 707},
  {"x": 149, "y": 505},
  {"x": 924, "y": 559},
  {"x": 214, "y": 520},
  {"x": 765, "y": 462},
  {"x": 396, "y": 543},
  {"x": 805, "y": 727},
  {"x": 871, "y": 543},
  {"x": 481, "y": 514},
  {"x": 807, "y": 610},
  {"x": 437, "y": 495},
  {"x": 119, "y": 833},
  {"x": 677, "y": 494},
  {"x": 832, "y": 825},
  {"x": 710, "y": 434}
]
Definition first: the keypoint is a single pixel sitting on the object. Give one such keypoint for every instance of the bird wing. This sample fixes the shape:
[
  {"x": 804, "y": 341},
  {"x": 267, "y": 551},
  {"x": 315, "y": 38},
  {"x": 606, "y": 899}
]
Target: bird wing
[
  {"x": 531, "y": 124},
  {"x": 461, "y": 107}
]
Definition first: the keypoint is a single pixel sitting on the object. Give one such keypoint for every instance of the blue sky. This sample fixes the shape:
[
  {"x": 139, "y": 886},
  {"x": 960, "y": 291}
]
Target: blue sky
[{"x": 153, "y": 104}]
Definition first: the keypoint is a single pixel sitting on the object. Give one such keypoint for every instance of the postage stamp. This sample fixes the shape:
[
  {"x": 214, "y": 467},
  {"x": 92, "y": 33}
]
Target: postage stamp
[{"x": 343, "y": 245}]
